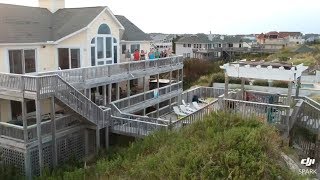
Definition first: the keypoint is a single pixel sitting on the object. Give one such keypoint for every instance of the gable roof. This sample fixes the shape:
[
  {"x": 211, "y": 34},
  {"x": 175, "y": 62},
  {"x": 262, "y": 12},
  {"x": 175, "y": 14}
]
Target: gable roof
[
  {"x": 197, "y": 38},
  {"x": 132, "y": 32},
  {"x": 23, "y": 24}
]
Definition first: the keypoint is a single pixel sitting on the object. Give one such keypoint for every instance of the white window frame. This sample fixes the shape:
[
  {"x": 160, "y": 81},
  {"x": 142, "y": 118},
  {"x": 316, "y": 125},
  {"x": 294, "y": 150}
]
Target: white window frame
[
  {"x": 104, "y": 59},
  {"x": 70, "y": 47},
  {"x": 35, "y": 48}
]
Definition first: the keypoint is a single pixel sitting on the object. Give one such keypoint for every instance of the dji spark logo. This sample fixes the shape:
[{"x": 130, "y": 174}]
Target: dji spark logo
[{"x": 308, "y": 162}]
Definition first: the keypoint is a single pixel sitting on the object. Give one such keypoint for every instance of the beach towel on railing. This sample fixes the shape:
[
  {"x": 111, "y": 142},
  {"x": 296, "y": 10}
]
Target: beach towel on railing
[{"x": 156, "y": 93}]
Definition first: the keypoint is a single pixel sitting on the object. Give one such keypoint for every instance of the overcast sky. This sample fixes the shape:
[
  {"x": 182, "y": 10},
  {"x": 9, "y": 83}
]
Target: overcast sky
[{"x": 203, "y": 16}]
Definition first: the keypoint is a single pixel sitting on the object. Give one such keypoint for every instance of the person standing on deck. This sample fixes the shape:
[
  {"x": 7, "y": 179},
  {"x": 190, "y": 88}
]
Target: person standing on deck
[
  {"x": 128, "y": 55},
  {"x": 136, "y": 55},
  {"x": 142, "y": 55},
  {"x": 151, "y": 54},
  {"x": 157, "y": 54}
]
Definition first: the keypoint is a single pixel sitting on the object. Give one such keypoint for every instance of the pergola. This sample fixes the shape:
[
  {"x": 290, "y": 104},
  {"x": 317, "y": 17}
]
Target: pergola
[{"x": 263, "y": 71}]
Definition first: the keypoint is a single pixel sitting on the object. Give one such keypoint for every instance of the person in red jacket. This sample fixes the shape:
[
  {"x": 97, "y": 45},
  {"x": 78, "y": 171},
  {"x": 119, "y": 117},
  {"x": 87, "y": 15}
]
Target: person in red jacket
[{"x": 136, "y": 55}]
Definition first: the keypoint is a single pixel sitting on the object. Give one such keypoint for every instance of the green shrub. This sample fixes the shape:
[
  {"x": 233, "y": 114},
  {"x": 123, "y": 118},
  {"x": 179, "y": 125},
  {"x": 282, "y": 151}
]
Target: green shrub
[
  {"x": 260, "y": 83},
  {"x": 280, "y": 84},
  {"x": 218, "y": 78}
]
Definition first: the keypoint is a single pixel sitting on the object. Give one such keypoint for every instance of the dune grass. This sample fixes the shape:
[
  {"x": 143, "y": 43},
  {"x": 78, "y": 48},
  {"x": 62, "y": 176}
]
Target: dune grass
[{"x": 222, "y": 146}]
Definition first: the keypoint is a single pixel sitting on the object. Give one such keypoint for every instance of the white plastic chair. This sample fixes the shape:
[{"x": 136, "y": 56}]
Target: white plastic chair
[
  {"x": 177, "y": 111},
  {"x": 188, "y": 106},
  {"x": 196, "y": 105}
]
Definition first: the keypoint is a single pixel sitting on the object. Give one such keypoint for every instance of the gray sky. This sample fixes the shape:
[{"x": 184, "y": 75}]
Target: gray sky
[{"x": 219, "y": 16}]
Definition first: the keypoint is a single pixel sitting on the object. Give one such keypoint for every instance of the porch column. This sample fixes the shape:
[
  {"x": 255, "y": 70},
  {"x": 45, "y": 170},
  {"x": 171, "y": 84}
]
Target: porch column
[
  {"x": 117, "y": 91},
  {"x": 242, "y": 89},
  {"x": 38, "y": 119},
  {"x": 226, "y": 85},
  {"x": 104, "y": 94},
  {"x": 109, "y": 93},
  {"x": 53, "y": 132},
  {"x": 179, "y": 96},
  {"x": 158, "y": 86},
  {"x": 298, "y": 87}
]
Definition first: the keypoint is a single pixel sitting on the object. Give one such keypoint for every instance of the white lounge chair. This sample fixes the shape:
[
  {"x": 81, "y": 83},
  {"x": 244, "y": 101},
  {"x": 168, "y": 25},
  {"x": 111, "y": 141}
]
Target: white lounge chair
[
  {"x": 177, "y": 111},
  {"x": 189, "y": 107},
  {"x": 185, "y": 110},
  {"x": 196, "y": 105},
  {"x": 184, "y": 103}
]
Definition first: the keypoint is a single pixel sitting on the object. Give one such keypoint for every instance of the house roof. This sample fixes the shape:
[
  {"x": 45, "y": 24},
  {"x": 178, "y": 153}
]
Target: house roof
[
  {"x": 198, "y": 38},
  {"x": 23, "y": 24},
  {"x": 132, "y": 32}
]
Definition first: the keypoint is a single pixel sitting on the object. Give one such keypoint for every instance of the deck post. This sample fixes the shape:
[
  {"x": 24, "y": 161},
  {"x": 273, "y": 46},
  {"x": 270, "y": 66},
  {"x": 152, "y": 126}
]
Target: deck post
[
  {"x": 27, "y": 164},
  {"x": 158, "y": 86},
  {"x": 97, "y": 139},
  {"x": 117, "y": 91},
  {"x": 24, "y": 120},
  {"x": 89, "y": 95},
  {"x": 38, "y": 119},
  {"x": 107, "y": 136},
  {"x": 226, "y": 85},
  {"x": 86, "y": 142},
  {"x": 104, "y": 94},
  {"x": 242, "y": 88},
  {"x": 109, "y": 93},
  {"x": 289, "y": 93},
  {"x": 53, "y": 131},
  {"x": 170, "y": 79},
  {"x": 144, "y": 93},
  {"x": 128, "y": 89},
  {"x": 298, "y": 87}
]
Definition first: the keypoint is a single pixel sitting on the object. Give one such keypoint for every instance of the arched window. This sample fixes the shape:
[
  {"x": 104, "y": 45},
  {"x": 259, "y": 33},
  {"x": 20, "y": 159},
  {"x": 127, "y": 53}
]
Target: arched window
[
  {"x": 104, "y": 29},
  {"x": 102, "y": 47}
]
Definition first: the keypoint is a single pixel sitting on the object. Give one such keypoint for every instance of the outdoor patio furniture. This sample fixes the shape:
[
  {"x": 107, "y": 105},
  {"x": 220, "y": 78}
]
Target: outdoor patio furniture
[
  {"x": 196, "y": 105},
  {"x": 185, "y": 110},
  {"x": 188, "y": 106},
  {"x": 178, "y": 112}
]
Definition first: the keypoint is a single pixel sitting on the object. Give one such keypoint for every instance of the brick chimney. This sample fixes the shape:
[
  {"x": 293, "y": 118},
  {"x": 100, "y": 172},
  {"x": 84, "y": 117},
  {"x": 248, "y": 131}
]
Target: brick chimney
[{"x": 52, "y": 5}]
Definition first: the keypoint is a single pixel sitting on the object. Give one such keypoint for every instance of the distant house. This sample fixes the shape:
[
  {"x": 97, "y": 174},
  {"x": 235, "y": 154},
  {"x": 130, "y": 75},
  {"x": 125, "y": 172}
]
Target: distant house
[
  {"x": 311, "y": 37},
  {"x": 162, "y": 41},
  {"x": 277, "y": 40},
  {"x": 211, "y": 46}
]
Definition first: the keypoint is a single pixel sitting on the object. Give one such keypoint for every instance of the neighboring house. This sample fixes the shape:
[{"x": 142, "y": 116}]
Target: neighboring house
[
  {"x": 211, "y": 46},
  {"x": 277, "y": 40},
  {"x": 162, "y": 41},
  {"x": 311, "y": 37},
  {"x": 133, "y": 37},
  {"x": 188, "y": 45}
]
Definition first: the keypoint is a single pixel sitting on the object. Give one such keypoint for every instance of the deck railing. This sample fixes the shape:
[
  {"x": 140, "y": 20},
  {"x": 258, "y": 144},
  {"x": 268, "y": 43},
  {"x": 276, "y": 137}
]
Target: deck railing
[
  {"x": 88, "y": 73},
  {"x": 202, "y": 92},
  {"x": 196, "y": 116},
  {"x": 148, "y": 95},
  {"x": 271, "y": 113},
  {"x": 134, "y": 127},
  {"x": 17, "y": 132},
  {"x": 266, "y": 97}
]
